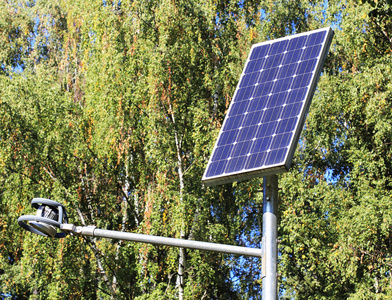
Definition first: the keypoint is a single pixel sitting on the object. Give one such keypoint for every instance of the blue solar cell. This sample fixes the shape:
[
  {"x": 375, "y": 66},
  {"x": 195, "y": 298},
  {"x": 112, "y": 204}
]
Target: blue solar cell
[
  {"x": 278, "y": 47},
  {"x": 266, "y": 129},
  {"x": 256, "y": 160},
  {"x": 252, "y": 119},
  {"x": 287, "y": 70},
  {"x": 246, "y": 133},
  {"x": 277, "y": 99},
  {"x": 262, "y": 89},
  {"x": 296, "y": 95},
  {"x": 281, "y": 85},
  {"x": 311, "y": 52},
  {"x": 238, "y": 108},
  {"x": 259, "y": 52},
  {"x": 275, "y": 157},
  {"x": 216, "y": 168},
  {"x": 286, "y": 125},
  {"x": 292, "y": 56},
  {"x": 254, "y": 66},
  {"x": 301, "y": 81},
  {"x": 271, "y": 114},
  {"x": 316, "y": 38},
  {"x": 306, "y": 66},
  {"x": 243, "y": 94},
  {"x": 223, "y": 153},
  {"x": 281, "y": 140},
  {"x": 266, "y": 115},
  {"x": 268, "y": 74},
  {"x": 241, "y": 149},
  {"x": 233, "y": 122},
  {"x": 227, "y": 137},
  {"x": 296, "y": 43},
  {"x": 235, "y": 164},
  {"x": 249, "y": 79},
  {"x": 273, "y": 61},
  {"x": 262, "y": 144},
  {"x": 291, "y": 110},
  {"x": 257, "y": 104}
]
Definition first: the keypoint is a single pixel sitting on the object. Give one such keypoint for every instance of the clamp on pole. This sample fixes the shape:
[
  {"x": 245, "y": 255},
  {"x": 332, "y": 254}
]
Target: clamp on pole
[{"x": 78, "y": 230}]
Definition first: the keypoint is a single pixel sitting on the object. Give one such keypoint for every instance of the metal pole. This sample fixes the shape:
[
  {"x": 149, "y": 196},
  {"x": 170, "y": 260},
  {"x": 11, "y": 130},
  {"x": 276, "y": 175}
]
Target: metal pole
[
  {"x": 270, "y": 237},
  {"x": 158, "y": 240}
]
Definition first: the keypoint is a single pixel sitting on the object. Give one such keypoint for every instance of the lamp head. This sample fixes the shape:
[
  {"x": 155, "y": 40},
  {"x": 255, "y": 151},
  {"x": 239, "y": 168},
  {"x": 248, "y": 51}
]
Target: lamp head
[{"x": 49, "y": 217}]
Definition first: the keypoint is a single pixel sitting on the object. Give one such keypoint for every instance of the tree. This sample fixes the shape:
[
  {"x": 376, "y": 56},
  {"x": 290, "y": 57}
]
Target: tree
[
  {"x": 335, "y": 221},
  {"x": 112, "y": 109},
  {"x": 112, "y": 116}
]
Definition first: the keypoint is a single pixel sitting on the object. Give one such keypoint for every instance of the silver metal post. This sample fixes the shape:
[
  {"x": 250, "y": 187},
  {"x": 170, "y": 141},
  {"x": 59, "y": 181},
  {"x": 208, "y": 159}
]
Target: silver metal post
[
  {"x": 158, "y": 240},
  {"x": 270, "y": 237}
]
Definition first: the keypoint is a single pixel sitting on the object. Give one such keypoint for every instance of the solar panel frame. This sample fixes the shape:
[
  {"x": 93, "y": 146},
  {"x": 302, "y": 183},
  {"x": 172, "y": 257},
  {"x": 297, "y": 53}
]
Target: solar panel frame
[{"x": 235, "y": 116}]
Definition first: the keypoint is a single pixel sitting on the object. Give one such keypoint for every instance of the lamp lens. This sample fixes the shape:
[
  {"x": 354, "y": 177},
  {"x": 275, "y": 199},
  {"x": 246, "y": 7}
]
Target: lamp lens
[{"x": 48, "y": 212}]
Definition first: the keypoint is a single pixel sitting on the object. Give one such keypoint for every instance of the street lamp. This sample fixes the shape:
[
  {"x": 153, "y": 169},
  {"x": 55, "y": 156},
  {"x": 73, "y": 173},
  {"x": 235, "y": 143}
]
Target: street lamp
[
  {"x": 49, "y": 217},
  {"x": 52, "y": 216}
]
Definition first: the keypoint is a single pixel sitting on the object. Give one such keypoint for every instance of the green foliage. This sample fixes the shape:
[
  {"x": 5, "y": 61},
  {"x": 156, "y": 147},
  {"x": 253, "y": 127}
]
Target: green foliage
[
  {"x": 336, "y": 220},
  {"x": 113, "y": 116},
  {"x": 112, "y": 109}
]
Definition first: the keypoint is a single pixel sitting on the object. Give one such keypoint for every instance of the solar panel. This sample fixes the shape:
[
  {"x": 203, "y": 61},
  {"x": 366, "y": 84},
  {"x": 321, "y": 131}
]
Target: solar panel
[{"x": 265, "y": 118}]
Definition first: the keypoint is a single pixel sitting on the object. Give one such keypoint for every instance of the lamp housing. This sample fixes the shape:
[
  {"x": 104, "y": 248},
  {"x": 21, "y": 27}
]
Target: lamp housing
[{"x": 49, "y": 217}]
